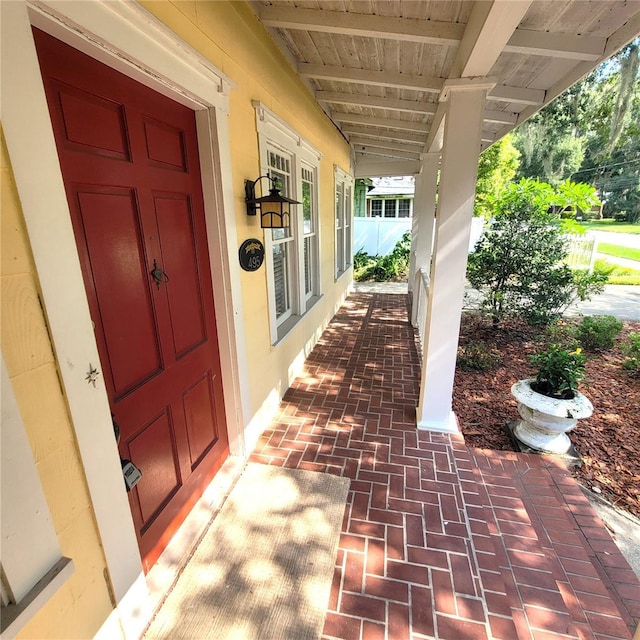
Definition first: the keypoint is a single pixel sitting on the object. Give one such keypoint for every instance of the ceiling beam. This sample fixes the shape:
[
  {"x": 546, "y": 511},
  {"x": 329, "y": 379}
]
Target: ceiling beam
[
  {"x": 364, "y": 25},
  {"x": 503, "y": 93},
  {"x": 401, "y": 136},
  {"x": 383, "y": 123},
  {"x": 418, "y": 83},
  {"x": 490, "y": 26},
  {"x": 374, "y": 102},
  {"x": 382, "y": 144},
  {"x": 387, "y": 153},
  {"x": 526, "y": 41},
  {"x": 368, "y": 168},
  {"x": 371, "y": 78},
  {"x": 556, "y": 45},
  {"x": 499, "y": 117}
]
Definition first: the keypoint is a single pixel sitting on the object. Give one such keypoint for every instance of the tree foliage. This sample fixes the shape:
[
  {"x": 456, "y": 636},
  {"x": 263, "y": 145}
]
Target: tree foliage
[
  {"x": 497, "y": 166},
  {"x": 591, "y": 133},
  {"x": 518, "y": 264}
]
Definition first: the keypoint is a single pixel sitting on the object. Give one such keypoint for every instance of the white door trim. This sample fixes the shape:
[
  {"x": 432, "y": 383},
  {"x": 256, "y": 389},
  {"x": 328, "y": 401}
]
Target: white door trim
[{"x": 126, "y": 37}]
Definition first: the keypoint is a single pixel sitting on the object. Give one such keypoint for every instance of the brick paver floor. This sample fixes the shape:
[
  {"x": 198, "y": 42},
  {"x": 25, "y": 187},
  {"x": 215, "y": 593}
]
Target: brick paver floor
[{"x": 439, "y": 540}]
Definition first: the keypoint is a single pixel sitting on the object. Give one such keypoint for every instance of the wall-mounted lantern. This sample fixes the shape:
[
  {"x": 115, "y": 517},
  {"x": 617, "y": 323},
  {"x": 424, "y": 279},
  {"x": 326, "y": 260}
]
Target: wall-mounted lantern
[{"x": 274, "y": 208}]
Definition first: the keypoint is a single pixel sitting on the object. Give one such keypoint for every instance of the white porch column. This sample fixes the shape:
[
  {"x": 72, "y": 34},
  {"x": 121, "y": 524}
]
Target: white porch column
[
  {"x": 425, "y": 201},
  {"x": 461, "y": 148}
]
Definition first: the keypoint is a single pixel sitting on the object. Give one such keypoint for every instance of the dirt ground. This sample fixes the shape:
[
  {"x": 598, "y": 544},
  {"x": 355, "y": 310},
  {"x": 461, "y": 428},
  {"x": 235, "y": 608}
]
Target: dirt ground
[{"x": 608, "y": 441}]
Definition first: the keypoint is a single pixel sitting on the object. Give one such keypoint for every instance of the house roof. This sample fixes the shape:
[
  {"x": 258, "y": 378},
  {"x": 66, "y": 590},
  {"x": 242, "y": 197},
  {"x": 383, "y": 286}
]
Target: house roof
[
  {"x": 396, "y": 186},
  {"x": 381, "y": 68}
]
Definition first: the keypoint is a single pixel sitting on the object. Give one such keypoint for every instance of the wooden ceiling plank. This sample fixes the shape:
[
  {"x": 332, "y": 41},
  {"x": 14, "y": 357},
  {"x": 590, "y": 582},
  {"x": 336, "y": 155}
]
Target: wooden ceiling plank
[
  {"x": 361, "y": 141},
  {"x": 369, "y": 77},
  {"x": 403, "y": 125},
  {"x": 409, "y": 106},
  {"x": 365, "y": 167},
  {"x": 369, "y": 151},
  {"x": 401, "y": 136},
  {"x": 360, "y": 24}
]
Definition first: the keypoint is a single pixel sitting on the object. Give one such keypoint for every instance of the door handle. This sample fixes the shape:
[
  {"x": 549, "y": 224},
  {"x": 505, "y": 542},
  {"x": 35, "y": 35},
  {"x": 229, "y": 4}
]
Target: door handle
[{"x": 158, "y": 274}]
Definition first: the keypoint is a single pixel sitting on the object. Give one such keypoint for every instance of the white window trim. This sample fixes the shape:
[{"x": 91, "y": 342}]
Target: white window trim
[
  {"x": 126, "y": 37},
  {"x": 32, "y": 563},
  {"x": 342, "y": 177},
  {"x": 384, "y": 200},
  {"x": 275, "y": 133},
  {"x": 308, "y": 298}
]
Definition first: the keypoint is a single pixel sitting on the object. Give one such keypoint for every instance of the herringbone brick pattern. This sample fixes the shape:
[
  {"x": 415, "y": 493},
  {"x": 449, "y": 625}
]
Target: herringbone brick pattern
[{"x": 440, "y": 541}]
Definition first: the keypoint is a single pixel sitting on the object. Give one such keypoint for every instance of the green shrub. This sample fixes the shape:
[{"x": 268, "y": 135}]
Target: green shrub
[
  {"x": 390, "y": 267},
  {"x": 562, "y": 333},
  {"x": 632, "y": 351},
  {"x": 598, "y": 332},
  {"x": 477, "y": 356},
  {"x": 559, "y": 371},
  {"x": 362, "y": 259}
]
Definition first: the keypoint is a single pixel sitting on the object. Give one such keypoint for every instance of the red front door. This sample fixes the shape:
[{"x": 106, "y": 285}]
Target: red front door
[{"x": 130, "y": 165}]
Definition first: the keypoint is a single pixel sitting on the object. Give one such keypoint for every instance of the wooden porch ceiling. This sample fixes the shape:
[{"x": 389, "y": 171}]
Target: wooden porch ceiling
[{"x": 380, "y": 68}]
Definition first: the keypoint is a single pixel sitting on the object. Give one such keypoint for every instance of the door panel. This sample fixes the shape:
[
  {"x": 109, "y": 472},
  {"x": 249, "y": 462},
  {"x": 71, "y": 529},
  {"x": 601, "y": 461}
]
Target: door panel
[
  {"x": 113, "y": 237},
  {"x": 131, "y": 170},
  {"x": 151, "y": 449},
  {"x": 165, "y": 145},
  {"x": 179, "y": 255},
  {"x": 201, "y": 425},
  {"x": 80, "y": 109}
]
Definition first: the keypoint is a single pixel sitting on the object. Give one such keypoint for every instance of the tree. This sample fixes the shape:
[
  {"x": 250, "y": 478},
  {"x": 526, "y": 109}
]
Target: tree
[
  {"x": 496, "y": 168},
  {"x": 547, "y": 151},
  {"x": 518, "y": 264}
]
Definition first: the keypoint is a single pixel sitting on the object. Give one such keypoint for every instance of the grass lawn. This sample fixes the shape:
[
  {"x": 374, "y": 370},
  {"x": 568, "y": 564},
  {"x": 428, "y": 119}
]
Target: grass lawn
[
  {"x": 618, "y": 275},
  {"x": 619, "y": 252},
  {"x": 611, "y": 225}
]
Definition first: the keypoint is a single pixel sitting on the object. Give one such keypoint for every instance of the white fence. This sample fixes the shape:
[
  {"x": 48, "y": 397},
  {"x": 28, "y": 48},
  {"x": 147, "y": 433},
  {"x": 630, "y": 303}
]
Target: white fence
[{"x": 378, "y": 236}]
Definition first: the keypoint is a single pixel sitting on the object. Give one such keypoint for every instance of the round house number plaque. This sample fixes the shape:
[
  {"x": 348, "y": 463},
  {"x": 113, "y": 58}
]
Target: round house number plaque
[{"x": 251, "y": 254}]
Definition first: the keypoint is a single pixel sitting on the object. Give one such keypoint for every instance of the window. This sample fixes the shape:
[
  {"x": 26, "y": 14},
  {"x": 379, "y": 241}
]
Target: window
[
  {"x": 404, "y": 208},
  {"x": 32, "y": 566},
  {"x": 309, "y": 231},
  {"x": 391, "y": 207},
  {"x": 293, "y": 272},
  {"x": 344, "y": 217}
]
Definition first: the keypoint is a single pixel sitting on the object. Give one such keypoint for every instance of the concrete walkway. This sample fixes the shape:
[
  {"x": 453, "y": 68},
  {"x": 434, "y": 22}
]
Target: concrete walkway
[{"x": 619, "y": 300}]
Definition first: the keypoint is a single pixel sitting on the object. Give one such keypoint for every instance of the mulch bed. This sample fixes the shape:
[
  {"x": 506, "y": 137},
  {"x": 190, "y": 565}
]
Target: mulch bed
[{"x": 608, "y": 441}]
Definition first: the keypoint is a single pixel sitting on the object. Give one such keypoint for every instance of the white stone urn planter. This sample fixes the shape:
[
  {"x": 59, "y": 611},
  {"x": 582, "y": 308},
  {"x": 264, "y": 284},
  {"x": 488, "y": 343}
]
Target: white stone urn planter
[{"x": 545, "y": 421}]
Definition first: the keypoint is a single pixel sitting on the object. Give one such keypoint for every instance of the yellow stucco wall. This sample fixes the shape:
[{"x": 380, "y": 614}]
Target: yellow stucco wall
[
  {"x": 230, "y": 35},
  {"x": 78, "y": 609}
]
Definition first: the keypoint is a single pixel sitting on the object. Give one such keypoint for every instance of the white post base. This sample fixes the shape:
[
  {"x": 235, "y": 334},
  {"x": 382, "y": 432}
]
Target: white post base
[{"x": 449, "y": 425}]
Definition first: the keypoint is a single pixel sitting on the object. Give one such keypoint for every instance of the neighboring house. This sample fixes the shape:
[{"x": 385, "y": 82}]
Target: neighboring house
[
  {"x": 129, "y": 131},
  {"x": 360, "y": 189},
  {"x": 391, "y": 197}
]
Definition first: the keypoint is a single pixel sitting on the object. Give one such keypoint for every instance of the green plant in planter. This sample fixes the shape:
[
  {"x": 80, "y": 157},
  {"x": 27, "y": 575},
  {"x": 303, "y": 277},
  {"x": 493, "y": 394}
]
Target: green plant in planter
[{"x": 559, "y": 371}]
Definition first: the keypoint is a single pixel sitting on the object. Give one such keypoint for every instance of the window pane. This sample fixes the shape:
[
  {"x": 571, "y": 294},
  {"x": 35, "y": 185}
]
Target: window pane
[
  {"x": 376, "y": 208},
  {"x": 307, "y": 217},
  {"x": 347, "y": 224},
  {"x": 308, "y": 257},
  {"x": 404, "y": 208},
  {"x": 389, "y": 208},
  {"x": 281, "y": 278}
]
